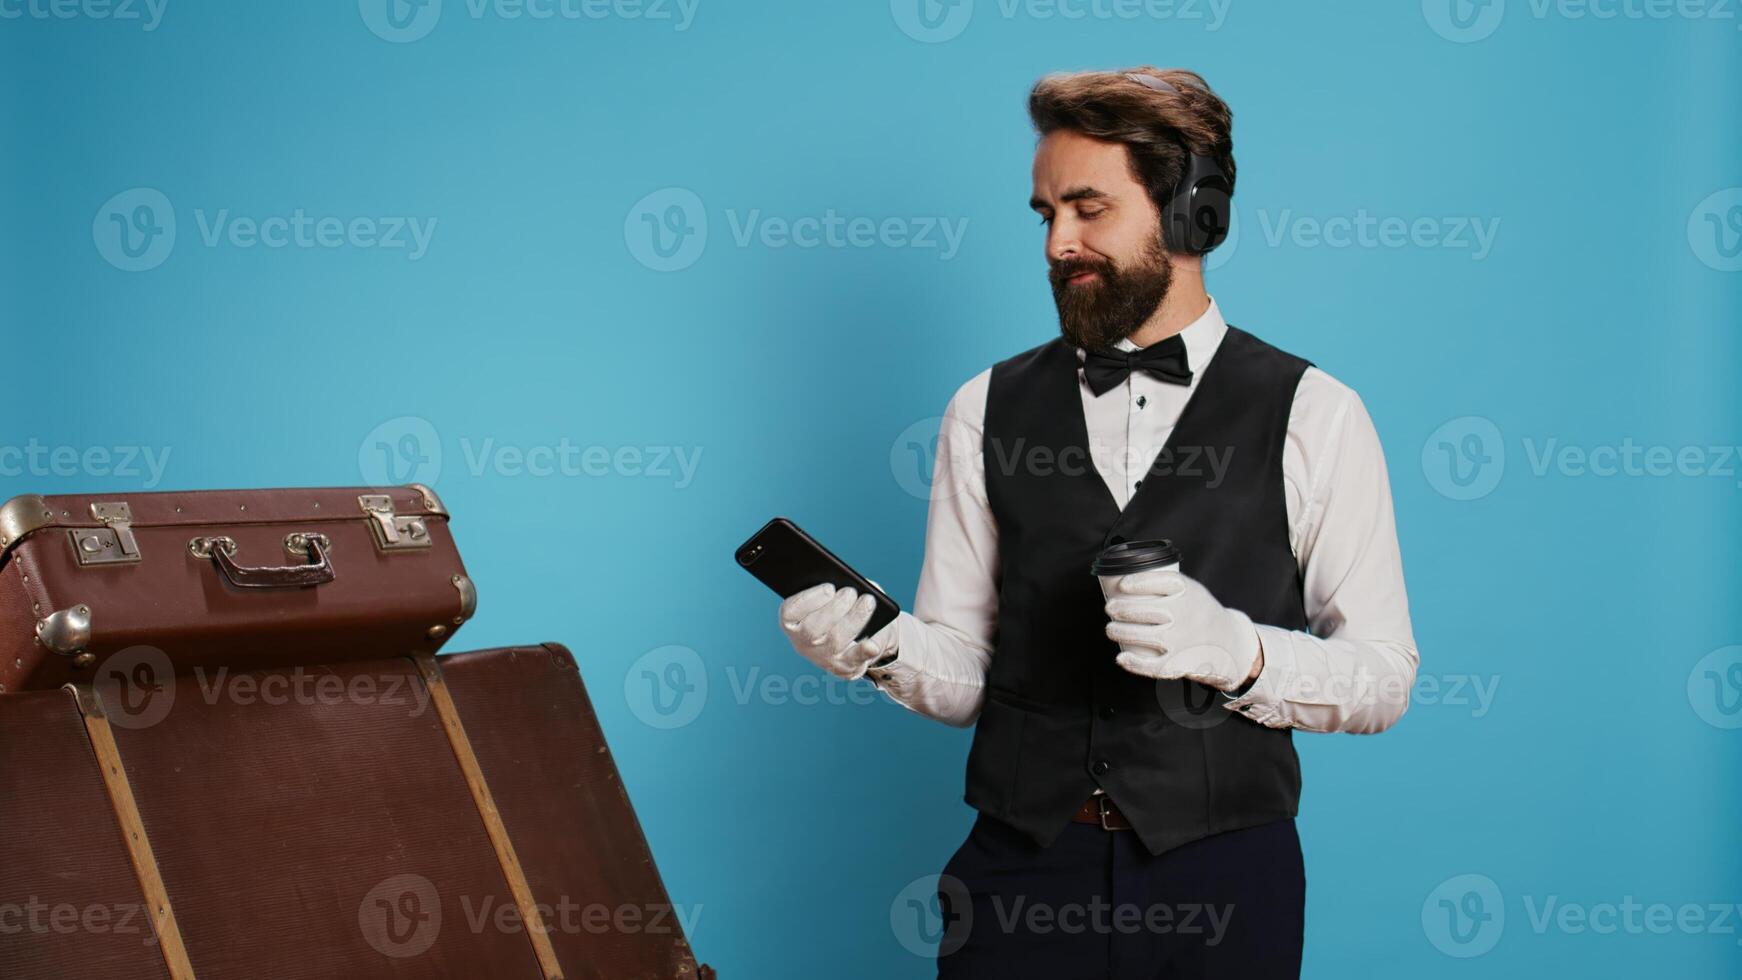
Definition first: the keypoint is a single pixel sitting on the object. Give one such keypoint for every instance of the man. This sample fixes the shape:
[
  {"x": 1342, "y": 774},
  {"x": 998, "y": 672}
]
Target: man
[{"x": 1132, "y": 763}]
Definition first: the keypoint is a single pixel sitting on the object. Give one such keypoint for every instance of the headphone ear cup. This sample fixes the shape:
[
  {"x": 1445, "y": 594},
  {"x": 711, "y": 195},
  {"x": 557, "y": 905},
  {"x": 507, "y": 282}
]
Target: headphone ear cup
[
  {"x": 1211, "y": 214},
  {"x": 1200, "y": 213}
]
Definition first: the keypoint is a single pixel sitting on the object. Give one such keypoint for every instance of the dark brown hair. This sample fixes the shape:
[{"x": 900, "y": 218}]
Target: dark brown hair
[{"x": 1152, "y": 124}]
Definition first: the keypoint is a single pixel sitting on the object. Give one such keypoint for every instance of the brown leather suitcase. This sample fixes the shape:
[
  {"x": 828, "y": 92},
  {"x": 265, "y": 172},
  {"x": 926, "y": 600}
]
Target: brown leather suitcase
[
  {"x": 235, "y": 579},
  {"x": 455, "y": 816}
]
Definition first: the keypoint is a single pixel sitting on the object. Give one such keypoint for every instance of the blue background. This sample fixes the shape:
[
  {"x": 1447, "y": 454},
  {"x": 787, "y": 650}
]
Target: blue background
[{"x": 1585, "y": 603}]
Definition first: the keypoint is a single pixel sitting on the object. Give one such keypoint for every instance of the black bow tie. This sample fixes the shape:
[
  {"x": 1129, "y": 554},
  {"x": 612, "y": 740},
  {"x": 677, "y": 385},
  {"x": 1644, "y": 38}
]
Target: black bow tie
[{"x": 1165, "y": 360}]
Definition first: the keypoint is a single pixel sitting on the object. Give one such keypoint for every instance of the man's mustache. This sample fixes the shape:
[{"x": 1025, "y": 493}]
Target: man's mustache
[{"x": 1062, "y": 271}]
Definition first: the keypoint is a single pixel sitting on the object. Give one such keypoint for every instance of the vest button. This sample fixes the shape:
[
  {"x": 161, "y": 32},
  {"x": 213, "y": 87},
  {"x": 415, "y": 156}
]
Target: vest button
[
  {"x": 1107, "y": 711},
  {"x": 1100, "y": 767}
]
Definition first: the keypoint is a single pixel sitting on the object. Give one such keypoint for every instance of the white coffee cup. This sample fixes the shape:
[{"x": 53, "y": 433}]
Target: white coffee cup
[{"x": 1130, "y": 557}]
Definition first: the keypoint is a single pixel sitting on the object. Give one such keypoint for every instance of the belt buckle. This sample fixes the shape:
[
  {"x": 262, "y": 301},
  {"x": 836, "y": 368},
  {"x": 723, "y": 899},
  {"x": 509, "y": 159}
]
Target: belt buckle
[{"x": 1101, "y": 805}]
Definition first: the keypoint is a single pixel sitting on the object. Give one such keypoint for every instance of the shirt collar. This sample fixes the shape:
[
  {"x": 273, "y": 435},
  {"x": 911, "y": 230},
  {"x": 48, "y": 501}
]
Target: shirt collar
[{"x": 1202, "y": 336}]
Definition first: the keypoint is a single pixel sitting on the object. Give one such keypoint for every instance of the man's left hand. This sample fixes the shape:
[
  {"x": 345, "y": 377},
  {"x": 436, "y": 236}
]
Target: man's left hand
[{"x": 1169, "y": 626}]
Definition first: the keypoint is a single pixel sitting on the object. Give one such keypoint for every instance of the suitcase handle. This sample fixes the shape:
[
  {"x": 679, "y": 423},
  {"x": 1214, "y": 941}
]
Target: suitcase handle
[{"x": 319, "y": 569}]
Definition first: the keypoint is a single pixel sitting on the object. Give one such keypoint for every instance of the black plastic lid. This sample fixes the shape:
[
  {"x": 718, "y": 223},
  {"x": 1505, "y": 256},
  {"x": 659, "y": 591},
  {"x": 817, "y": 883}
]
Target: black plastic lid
[{"x": 1134, "y": 556}]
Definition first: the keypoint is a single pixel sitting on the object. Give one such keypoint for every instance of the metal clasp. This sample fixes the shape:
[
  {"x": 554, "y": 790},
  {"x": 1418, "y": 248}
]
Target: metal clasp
[
  {"x": 111, "y": 544},
  {"x": 393, "y": 532}
]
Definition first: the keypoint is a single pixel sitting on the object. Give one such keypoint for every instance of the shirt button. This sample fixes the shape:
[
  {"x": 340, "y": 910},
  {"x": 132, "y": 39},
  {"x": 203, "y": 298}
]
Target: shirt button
[
  {"x": 1108, "y": 712},
  {"x": 1101, "y": 767}
]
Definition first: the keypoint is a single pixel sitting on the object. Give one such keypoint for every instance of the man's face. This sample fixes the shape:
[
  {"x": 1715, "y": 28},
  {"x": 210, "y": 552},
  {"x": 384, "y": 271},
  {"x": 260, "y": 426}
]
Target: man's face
[{"x": 1108, "y": 267}]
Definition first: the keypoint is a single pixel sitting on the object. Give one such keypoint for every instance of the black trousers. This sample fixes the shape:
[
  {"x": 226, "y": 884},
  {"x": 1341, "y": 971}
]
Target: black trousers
[{"x": 1097, "y": 906}]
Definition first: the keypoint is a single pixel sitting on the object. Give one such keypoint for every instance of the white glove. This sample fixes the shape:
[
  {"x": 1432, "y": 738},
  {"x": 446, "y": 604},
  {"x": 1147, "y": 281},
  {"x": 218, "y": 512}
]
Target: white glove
[
  {"x": 821, "y": 623},
  {"x": 1169, "y": 626}
]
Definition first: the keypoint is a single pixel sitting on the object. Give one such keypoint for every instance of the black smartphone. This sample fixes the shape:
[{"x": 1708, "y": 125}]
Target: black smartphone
[{"x": 790, "y": 561}]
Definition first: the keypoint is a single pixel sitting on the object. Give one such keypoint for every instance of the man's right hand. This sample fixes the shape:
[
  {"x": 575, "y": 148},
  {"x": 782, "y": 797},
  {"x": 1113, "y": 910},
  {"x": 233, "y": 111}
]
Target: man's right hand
[{"x": 821, "y": 623}]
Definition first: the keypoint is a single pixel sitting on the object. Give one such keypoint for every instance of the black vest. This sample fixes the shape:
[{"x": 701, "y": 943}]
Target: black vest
[{"x": 1060, "y": 717}]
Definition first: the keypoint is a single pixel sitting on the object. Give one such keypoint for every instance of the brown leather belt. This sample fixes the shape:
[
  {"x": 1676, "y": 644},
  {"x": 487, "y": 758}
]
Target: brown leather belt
[{"x": 1099, "y": 809}]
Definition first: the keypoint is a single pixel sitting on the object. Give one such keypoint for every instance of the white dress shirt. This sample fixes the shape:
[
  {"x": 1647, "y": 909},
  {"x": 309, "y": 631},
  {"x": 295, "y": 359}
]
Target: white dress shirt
[{"x": 1351, "y": 673}]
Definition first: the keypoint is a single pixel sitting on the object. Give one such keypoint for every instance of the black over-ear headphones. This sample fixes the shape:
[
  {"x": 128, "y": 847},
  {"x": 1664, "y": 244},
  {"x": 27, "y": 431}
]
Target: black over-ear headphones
[{"x": 1199, "y": 212}]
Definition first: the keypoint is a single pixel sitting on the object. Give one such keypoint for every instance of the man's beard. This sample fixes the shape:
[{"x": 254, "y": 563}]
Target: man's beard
[{"x": 1098, "y": 314}]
